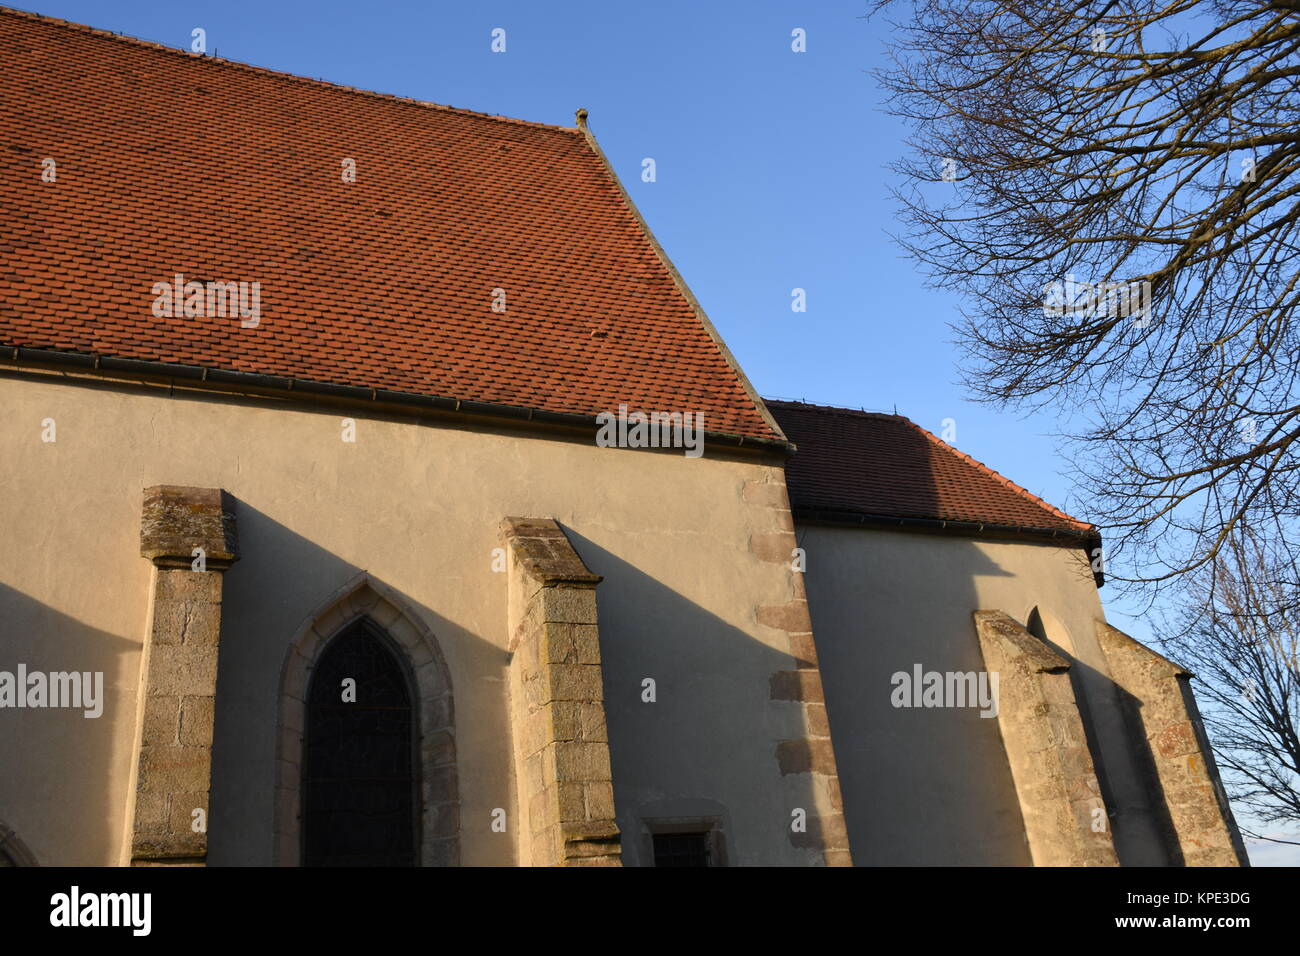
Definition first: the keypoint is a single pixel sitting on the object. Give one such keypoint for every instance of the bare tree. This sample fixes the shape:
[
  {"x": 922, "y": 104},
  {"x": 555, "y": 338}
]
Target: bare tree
[
  {"x": 1240, "y": 636},
  {"x": 1073, "y": 161}
]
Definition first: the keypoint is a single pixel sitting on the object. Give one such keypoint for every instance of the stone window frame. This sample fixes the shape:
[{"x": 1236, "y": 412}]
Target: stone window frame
[
  {"x": 713, "y": 823},
  {"x": 13, "y": 851},
  {"x": 365, "y": 597}
]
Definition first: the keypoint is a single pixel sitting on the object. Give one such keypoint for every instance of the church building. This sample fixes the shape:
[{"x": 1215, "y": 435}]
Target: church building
[{"x": 376, "y": 492}]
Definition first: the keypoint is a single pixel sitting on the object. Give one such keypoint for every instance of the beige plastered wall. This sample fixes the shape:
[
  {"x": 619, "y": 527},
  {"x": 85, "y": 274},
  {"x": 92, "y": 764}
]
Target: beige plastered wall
[
  {"x": 417, "y": 507},
  {"x": 932, "y": 786}
]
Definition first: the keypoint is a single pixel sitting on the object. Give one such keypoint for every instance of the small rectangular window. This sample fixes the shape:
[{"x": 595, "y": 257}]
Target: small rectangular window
[{"x": 683, "y": 849}]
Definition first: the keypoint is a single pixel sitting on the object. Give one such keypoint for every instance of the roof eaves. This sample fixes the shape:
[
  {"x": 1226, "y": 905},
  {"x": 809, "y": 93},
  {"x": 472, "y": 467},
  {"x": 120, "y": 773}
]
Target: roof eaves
[
  {"x": 199, "y": 376},
  {"x": 975, "y": 528}
]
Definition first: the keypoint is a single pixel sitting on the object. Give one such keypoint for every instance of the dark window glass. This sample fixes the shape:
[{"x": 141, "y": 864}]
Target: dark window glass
[
  {"x": 358, "y": 787},
  {"x": 681, "y": 849}
]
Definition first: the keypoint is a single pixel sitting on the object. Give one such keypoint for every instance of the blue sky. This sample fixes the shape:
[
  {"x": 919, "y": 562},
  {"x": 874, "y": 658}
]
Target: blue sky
[{"x": 771, "y": 169}]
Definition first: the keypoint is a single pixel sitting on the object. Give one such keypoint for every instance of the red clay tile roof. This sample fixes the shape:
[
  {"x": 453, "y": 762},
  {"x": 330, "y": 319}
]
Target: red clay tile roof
[
  {"x": 170, "y": 162},
  {"x": 864, "y": 463}
]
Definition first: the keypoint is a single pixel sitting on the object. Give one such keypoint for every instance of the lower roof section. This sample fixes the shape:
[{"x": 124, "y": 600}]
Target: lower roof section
[{"x": 872, "y": 469}]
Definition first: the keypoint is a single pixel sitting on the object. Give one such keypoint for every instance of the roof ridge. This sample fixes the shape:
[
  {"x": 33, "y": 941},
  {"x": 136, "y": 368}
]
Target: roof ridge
[
  {"x": 279, "y": 74},
  {"x": 998, "y": 476},
  {"x": 679, "y": 280},
  {"x": 812, "y": 406}
]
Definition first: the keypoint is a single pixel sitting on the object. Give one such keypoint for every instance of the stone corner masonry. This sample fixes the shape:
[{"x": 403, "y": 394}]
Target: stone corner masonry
[
  {"x": 1163, "y": 714},
  {"x": 806, "y": 759},
  {"x": 189, "y": 535},
  {"x": 557, "y": 708}
]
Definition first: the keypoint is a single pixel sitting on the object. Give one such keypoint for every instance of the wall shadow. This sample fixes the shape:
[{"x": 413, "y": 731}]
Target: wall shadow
[
  {"x": 1152, "y": 815},
  {"x": 710, "y": 738},
  {"x": 926, "y": 786},
  {"x": 56, "y": 790},
  {"x": 923, "y": 786}
]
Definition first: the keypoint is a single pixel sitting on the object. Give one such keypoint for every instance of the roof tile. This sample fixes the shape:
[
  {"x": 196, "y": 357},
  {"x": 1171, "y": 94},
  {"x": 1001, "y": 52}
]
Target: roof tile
[
  {"x": 169, "y": 163},
  {"x": 870, "y": 464}
]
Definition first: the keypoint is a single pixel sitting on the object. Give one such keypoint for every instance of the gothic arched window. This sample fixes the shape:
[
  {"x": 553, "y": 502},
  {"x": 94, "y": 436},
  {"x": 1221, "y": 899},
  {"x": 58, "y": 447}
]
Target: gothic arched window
[{"x": 360, "y": 793}]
